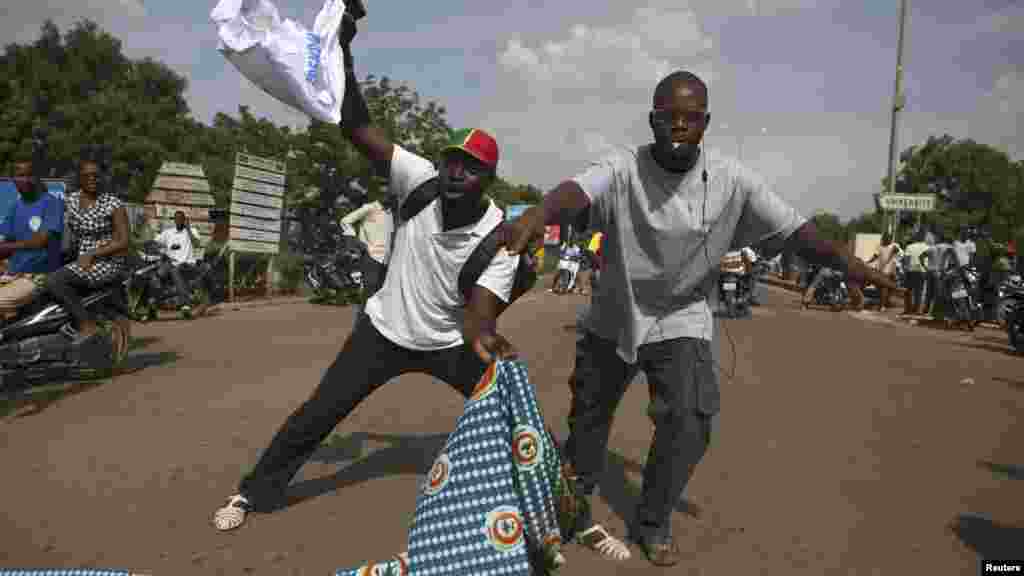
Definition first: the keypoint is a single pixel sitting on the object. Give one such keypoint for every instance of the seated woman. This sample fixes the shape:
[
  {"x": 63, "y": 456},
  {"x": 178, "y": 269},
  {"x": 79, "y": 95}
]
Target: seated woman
[{"x": 98, "y": 221}]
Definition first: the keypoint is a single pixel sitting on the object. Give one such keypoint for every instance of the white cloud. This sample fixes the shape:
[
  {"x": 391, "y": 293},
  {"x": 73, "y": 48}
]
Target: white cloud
[
  {"x": 1001, "y": 114},
  {"x": 563, "y": 101}
]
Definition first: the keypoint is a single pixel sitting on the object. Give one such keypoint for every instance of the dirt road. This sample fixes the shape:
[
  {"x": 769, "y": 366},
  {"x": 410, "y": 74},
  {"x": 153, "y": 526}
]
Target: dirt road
[{"x": 844, "y": 447}]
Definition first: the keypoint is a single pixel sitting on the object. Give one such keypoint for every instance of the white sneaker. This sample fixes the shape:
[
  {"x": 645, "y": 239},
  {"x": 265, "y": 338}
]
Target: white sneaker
[{"x": 232, "y": 515}]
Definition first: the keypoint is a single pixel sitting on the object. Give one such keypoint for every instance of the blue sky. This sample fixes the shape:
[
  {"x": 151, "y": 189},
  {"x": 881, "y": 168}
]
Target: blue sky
[{"x": 800, "y": 90}]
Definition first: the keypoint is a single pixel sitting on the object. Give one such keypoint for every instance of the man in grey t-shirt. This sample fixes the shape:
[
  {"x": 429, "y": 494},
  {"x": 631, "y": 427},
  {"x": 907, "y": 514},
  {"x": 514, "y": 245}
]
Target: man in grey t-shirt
[{"x": 669, "y": 212}]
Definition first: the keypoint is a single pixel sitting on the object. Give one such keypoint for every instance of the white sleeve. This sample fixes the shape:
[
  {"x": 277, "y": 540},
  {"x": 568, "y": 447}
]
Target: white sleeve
[
  {"x": 408, "y": 171},
  {"x": 500, "y": 275},
  {"x": 597, "y": 180}
]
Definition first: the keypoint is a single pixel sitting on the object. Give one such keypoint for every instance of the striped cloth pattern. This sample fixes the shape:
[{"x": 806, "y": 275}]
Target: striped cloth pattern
[
  {"x": 68, "y": 572},
  {"x": 489, "y": 505}
]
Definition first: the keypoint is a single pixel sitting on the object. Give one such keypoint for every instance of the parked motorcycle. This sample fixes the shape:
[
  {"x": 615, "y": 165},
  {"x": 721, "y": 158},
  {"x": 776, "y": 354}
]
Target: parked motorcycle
[
  {"x": 569, "y": 264},
  {"x": 37, "y": 344},
  {"x": 1015, "y": 317},
  {"x": 1006, "y": 297},
  {"x": 335, "y": 266},
  {"x": 961, "y": 284},
  {"x": 831, "y": 292},
  {"x": 147, "y": 291}
]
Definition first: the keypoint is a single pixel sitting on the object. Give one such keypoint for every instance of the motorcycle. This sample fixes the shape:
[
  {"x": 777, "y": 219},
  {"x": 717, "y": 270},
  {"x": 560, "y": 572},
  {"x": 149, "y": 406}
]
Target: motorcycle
[
  {"x": 569, "y": 264},
  {"x": 961, "y": 285},
  {"x": 1015, "y": 317},
  {"x": 38, "y": 343},
  {"x": 147, "y": 291},
  {"x": 334, "y": 267},
  {"x": 1006, "y": 297},
  {"x": 832, "y": 292}
]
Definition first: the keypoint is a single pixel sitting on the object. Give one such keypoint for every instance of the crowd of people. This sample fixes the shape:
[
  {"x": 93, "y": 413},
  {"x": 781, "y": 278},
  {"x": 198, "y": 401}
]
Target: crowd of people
[
  {"x": 668, "y": 212},
  {"x": 34, "y": 232},
  {"x": 920, "y": 268}
]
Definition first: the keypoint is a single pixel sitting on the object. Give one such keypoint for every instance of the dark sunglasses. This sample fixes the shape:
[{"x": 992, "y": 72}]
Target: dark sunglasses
[{"x": 671, "y": 117}]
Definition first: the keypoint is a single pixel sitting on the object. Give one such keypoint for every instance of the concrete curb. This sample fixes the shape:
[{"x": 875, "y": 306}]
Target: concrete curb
[{"x": 279, "y": 301}]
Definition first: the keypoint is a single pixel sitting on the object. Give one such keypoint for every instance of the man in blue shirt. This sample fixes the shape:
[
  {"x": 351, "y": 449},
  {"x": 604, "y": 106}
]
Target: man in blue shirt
[{"x": 32, "y": 221}]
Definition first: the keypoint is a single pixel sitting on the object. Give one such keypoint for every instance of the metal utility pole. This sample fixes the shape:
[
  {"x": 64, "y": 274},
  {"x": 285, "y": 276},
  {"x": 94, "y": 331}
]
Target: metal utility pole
[{"x": 898, "y": 101}]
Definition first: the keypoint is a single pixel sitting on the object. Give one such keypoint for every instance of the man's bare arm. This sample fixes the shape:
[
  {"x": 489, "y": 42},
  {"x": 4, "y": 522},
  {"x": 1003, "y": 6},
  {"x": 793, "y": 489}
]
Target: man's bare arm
[
  {"x": 809, "y": 245},
  {"x": 480, "y": 326},
  {"x": 356, "y": 123},
  {"x": 564, "y": 203}
]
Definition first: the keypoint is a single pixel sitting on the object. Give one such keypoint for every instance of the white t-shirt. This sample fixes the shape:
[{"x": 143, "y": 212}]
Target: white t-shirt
[
  {"x": 662, "y": 244},
  {"x": 964, "y": 251},
  {"x": 170, "y": 238},
  {"x": 375, "y": 228},
  {"x": 420, "y": 306}
]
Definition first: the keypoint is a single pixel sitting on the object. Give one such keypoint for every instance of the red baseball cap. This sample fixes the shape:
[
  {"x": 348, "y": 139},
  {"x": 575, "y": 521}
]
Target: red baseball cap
[{"x": 476, "y": 143}]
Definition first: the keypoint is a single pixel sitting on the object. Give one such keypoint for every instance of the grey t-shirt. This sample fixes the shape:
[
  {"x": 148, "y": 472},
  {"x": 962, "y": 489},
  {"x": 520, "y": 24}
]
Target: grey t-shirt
[{"x": 662, "y": 242}]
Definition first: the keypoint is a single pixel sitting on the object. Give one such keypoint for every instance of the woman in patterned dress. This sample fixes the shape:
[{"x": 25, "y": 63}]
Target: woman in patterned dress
[{"x": 98, "y": 222}]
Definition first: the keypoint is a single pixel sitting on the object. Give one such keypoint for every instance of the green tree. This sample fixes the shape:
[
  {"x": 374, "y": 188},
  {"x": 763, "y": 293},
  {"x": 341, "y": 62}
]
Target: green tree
[
  {"x": 976, "y": 184},
  {"x": 829, "y": 226},
  {"x": 96, "y": 96}
]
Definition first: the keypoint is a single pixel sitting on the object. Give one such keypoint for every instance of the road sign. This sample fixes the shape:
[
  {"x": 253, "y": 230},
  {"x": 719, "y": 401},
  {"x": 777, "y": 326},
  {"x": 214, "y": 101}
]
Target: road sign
[
  {"x": 257, "y": 199},
  {"x": 265, "y": 212},
  {"x": 237, "y": 196},
  {"x": 908, "y": 202},
  {"x": 259, "y": 187},
  {"x": 268, "y": 164},
  {"x": 259, "y": 175},
  {"x": 255, "y": 223},
  {"x": 256, "y": 235},
  {"x": 250, "y": 246}
]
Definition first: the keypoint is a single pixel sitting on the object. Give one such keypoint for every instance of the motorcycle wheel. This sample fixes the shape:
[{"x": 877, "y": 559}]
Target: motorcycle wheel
[
  {"x": 313, "y": 278},
  {"x": 1015, "y": 330},
  {"x": 730, "y": 305},
  {"x": 1004, "y": 309}
]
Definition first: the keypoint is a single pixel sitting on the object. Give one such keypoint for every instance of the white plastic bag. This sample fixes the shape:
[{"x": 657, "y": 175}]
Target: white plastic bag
[{"x": 299, "y": 67}]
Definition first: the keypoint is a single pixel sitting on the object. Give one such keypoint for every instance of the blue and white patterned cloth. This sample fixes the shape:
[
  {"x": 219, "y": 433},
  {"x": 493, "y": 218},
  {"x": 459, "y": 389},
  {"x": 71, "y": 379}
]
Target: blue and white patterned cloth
[
  {"x": 489, "y": 505},
  {"x": 66, "y": 572}
]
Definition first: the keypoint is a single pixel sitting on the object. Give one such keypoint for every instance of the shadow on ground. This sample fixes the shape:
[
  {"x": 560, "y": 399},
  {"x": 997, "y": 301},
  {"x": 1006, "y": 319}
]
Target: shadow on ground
[
  {"x": 403, "y": 455},
  {"x": 989, "y": 540},
  {"x": 991, "y": 347},
  {"x": 45, "y": 394},
  {"x": 415, "y": 455}
]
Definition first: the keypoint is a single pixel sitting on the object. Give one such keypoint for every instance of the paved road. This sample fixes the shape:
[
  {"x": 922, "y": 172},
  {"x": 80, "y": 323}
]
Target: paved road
[{"x": 845, "y": 447}]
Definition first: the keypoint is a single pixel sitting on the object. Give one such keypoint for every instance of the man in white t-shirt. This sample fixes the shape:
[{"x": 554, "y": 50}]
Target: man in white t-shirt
[
  {"x": 419, "y": 320},
  {"x": 669, "y": 212},
  {"x": 177, "y": 242}
]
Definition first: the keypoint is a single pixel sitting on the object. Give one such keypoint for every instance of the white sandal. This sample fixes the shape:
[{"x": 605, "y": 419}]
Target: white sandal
[
  {"x": 232, "y": 515},
  {"x": 599, "y": 540}
]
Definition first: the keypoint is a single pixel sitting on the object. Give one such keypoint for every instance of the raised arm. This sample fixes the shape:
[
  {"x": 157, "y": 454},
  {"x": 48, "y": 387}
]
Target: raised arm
[
  {"x": 356, "y": 124},
  {"x": 563, "y": 204}
]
